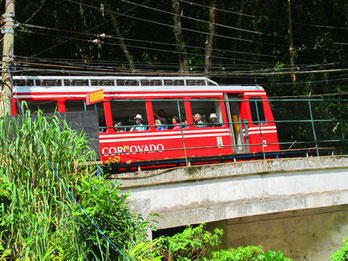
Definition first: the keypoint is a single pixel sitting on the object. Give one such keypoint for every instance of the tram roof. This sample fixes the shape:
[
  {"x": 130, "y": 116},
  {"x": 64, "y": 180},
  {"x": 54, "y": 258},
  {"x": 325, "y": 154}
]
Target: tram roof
[{"x": 127, "y": 83}]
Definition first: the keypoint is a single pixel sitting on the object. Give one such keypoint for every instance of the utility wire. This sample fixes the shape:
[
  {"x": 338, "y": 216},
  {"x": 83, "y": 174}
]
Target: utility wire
[
  {"x": 182, "y": 28},
  {"x": 143, "y": 41},
  {"x": 273, "y": 20},
  {"x": 109, "y": 66},
  {"x": 196, "y": 19},
  {"x": 215, "y": 73},
  {"x": 218, "y": 9},
  {"x": 90, "y": 29},
  {"x": 139, "y": 47},
  {"x": 187, "y": 29}
]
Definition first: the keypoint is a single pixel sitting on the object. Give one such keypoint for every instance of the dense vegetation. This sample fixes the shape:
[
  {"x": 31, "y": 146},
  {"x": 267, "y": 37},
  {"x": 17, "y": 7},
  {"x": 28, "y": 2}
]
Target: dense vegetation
[
  {"x": 196, "y": 243},
  {"x": 47, "y": 188},
  {"x": 38, "y": 218},
  {"x": 231, "y": 41}
]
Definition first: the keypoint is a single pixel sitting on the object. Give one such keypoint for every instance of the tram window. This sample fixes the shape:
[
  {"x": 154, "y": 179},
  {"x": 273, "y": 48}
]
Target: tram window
[
  {"x": 102, "y": 82},
  {"x": 127, "y": 82},
  {"x": 206, "y": 108},
  {"x": 195, "y": 82},
  {"x": 78, "y": 105},
  {"x": 23, "y": 82},
  {"x": 76, "y": 82},
  {"x": 257, "y": 112},
  {"x": 174, "y": 82},
  {"x": 45, "y": 106},
  {"x": 124, "y": 112},
  {"x": 49, "y": 82},
  {"x": 165, "y": 111},
  {"x": 151, "y": 82}
]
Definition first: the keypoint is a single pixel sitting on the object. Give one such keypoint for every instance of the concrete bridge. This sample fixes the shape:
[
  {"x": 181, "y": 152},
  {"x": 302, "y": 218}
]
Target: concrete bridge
[{"x": 242, "y": 190}]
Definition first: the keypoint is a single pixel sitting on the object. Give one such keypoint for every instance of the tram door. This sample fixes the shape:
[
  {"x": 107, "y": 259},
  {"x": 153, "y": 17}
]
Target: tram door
[{"x": 235, "y": 126}]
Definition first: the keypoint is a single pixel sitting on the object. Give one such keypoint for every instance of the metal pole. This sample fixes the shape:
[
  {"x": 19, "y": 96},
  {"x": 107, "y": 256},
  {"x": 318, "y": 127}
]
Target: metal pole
[
  {"x": 313, "y": 128},
  {"x": 246, "y": 135},
  {"x": 182, "y": 133},
  {"x": 259, "y": 122},
  {"x": 8, "y": 46},
  {"x": 342, "y": 134}
]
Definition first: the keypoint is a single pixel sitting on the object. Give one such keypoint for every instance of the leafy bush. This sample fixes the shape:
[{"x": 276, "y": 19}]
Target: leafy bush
[
  {"x": 193, "y": 243},
  {"x": 342, "y": 253},
  {"x": 273, "y": 256},
  {"x": 38, "y": 218},
  {"x": 249, "y": 253},
  {"x": 199, "y": 244}
]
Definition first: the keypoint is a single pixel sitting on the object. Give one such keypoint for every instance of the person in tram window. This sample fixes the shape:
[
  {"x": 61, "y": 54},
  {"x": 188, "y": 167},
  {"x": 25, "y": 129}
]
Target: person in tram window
[
  {"x": 161, "y": 116},
  {"x": 159, "y": 125},
  {"x": 184, "y": 123},
  {"x": 197, "y": 118},
  {"x": 102, "y": 126},
  {"x": 118, "y": 127},
  {"x": 138, "y": 125},
  {"x": 214, "y": 122},
  {"x": 176, "y": 123}
]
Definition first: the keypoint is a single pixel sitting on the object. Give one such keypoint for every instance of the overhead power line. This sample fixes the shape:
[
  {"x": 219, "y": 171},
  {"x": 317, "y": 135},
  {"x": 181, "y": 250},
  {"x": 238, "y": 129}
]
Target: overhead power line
[
  {"x": 196, "y": 19},
  {"x": 109, "y": 64},
  {"x": 97, "y": 41},
  {"x": 272, "y": 20},
  {"x": 189, "y": 30},
  {"x": 143, "y": 41},
  {"x": 218, "y": 9},
  {"x": 90, "y": 29},
  {"x": 182, "y": 28}
]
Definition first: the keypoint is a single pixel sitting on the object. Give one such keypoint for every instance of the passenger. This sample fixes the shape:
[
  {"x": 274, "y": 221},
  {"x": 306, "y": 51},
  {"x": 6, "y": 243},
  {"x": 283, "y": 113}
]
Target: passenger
[
  {"x": 184, "y": 123},
  {"x": 161, "y": 116},
  {"x": 175, "y": 122},
  {"x": 159, "y": 125},
  {"x": 102, "y": 126},
  {"x": 118, "y": 127},
  {"x": 214, "y": 122},
  {"x": 198, "y": 121},
  {"x": 139, "y": 126}
]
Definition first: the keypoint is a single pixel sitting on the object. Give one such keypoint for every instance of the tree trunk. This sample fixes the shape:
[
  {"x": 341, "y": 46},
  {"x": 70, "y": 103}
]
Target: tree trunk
[
  {"x": 291, "y": 49},
  {"x": 119, "y": 35},
  {"x": 210, "y": 37},
  {"x": 239, "y": 22},
  {"x": 179, "y": 36}
]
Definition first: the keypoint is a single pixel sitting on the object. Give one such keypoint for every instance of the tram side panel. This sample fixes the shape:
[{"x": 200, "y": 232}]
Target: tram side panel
[
  {"x": 259, "y": 130},
  {"x": 166, "y": 144}
]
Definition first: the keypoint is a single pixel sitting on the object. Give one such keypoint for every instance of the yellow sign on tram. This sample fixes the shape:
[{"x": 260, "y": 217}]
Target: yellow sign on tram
[{"x": 94, "y": 97}]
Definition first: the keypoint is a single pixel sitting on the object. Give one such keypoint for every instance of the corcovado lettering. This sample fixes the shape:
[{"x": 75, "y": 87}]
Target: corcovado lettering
[{"x": 133, "y": 149}]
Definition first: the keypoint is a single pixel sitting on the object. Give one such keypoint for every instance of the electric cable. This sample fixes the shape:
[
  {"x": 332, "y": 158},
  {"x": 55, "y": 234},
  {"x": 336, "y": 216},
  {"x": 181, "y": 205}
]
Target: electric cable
[
  {"x": 90, "y": 29},
  {"x": 182, "y": 28},
  {"x": 187, "y": 29},
  {"x": 257, "y": 17},
  {"x": 140, "y": 47},
  {"x": 144, "y": 41}
]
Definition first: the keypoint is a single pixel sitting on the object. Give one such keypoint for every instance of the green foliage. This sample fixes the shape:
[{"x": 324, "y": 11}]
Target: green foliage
[
  {"x": 273, "y": 256},
  {"x": 342, "y": 253},
  {"x": 193, "y": 243},
  {"x": 38, "y": 219},
  {"x": 199, "y": 244},
  {"x": 248, "y": 253}
]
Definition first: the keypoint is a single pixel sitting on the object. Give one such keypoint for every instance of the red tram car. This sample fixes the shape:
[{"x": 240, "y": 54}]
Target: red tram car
[{"x": 244, "y": 120}]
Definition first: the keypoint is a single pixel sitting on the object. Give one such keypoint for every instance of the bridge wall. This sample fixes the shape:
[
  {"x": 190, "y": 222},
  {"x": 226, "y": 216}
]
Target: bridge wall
[
  {"x": 226, "y": 191},
  {"x": 314, "y": 234}
]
